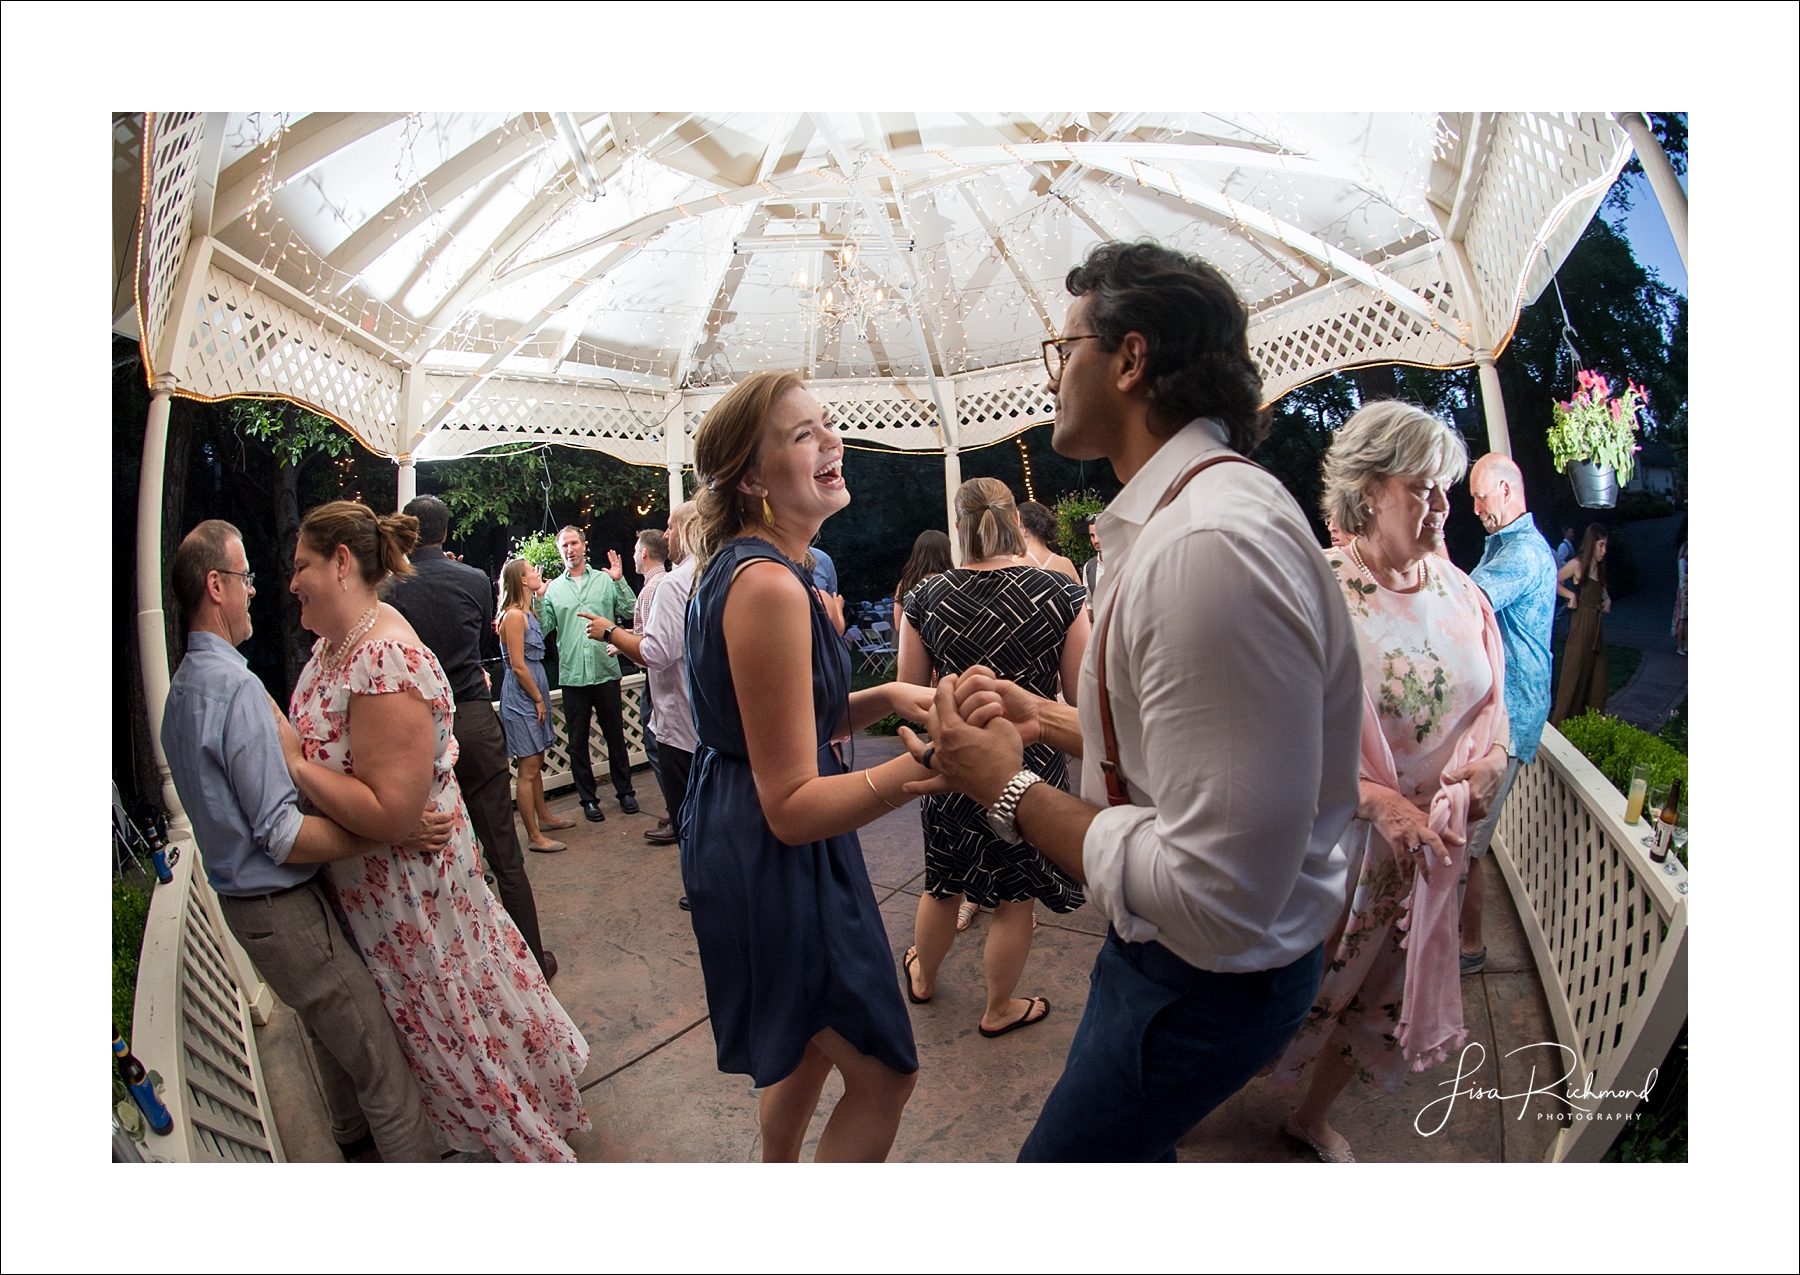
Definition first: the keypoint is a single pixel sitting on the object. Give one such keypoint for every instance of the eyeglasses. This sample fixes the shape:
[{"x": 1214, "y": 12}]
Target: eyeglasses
[
  {"x": 249, "y": 577},
  {"x": 1053, "y": 353}
]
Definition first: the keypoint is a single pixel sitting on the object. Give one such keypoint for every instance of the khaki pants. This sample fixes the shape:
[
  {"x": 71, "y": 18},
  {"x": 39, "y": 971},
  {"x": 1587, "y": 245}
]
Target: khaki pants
[{"x": 309, "y": 962}]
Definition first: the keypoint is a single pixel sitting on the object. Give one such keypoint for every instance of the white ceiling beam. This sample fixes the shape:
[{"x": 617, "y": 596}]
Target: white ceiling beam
[
  {"x": 1031, "y": 290},
  {"x": 946, "y": 416},
  {"x": 305, "y": 144},
  {"x": 520, "y": 332},
  {"x": 503, "y": 149},
  {"x": 1474, "y": 162},
  {"x": 1255, "y": 220}
]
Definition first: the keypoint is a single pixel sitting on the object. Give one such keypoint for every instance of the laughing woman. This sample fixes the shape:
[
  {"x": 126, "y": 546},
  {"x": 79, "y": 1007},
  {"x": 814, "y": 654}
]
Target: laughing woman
[{"x": 799, "y": 976}]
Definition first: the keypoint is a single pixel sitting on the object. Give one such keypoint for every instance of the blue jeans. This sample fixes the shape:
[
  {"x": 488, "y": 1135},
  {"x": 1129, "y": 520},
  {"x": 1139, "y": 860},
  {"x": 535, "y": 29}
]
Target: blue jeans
[{"x": 1159, "y": 1046}]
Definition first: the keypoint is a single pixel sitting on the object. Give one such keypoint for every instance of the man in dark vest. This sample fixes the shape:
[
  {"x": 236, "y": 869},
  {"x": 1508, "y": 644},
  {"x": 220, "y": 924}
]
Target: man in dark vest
[{"x": 450, "y": 605}]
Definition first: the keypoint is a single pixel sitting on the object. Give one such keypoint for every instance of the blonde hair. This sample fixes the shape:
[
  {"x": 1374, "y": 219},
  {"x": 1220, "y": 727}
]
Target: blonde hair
[
  {"x": 726, "y": 447},
  {"x": 1384, "y": 440},
  {"x": 378, "y": 543},
  {"x": 512, "y": 587},
  {"x": 987, "y": 521}
]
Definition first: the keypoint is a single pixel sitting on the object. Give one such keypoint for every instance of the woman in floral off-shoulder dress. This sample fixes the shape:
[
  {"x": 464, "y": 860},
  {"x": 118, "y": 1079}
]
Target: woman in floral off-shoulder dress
[{"x": 495, "y": 1053}]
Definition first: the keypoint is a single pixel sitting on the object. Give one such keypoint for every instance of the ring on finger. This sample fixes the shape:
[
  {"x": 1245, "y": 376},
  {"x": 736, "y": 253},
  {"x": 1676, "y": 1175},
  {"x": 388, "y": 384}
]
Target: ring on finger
[{"x": 925, "y": 760}]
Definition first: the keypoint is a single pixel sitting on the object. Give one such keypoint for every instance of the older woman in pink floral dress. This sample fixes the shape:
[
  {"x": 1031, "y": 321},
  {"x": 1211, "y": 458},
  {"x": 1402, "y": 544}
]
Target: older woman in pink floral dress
[
  {"x": 495, "y": 1053},
  {"x": 1431, "y": 760}
]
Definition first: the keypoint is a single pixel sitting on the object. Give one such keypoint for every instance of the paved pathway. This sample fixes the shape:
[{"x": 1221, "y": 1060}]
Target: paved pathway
[{"x": 631, "y": 980}]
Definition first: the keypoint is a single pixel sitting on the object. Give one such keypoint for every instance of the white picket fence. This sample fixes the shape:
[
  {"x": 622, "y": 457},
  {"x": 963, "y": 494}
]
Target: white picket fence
[{"x": 1608, "y": 929}]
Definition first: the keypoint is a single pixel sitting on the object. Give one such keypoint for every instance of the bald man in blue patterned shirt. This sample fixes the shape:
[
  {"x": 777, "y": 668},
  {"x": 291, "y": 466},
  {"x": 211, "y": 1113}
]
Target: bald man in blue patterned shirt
[{"x": 1517, "y": 571}]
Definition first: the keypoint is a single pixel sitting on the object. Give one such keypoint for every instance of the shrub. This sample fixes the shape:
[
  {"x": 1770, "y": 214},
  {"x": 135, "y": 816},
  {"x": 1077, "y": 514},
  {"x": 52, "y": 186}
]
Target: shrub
[
  {"x": 1072, "y": 513},
  {"x": 130, "y": 912},
  {"x": 889, "y": 725},
  {"x": 1674, "y": 731},
  {"x": 1615, "y": 747},
  {"x": 540, "y": 549}
]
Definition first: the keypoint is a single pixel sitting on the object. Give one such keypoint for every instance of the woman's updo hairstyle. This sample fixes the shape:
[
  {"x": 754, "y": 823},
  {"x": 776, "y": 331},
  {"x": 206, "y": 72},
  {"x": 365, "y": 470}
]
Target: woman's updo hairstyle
[
  {"x": 987, "y": 522},
  {"x": 726, "y": 447},
  {"x": 378, "y": 543}
]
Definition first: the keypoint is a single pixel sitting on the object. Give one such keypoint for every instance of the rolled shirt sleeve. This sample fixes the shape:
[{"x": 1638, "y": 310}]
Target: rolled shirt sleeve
[
  {"x": 1232, "y": 691},
  {"x": 251, "y": 758}
]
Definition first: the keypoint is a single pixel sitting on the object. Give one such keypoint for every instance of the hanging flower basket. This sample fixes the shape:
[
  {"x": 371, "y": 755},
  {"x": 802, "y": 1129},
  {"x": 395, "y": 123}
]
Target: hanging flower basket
[{"x": 1595, "y": 437}]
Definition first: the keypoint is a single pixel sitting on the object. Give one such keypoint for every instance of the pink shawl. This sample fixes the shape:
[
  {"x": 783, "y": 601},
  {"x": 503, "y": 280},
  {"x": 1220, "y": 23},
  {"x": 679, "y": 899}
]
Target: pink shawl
[{"x": 1431, "y": 1019}]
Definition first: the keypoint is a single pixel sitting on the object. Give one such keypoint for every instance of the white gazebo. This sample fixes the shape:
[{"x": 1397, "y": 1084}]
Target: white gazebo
[{"x": 443, "y": 284}]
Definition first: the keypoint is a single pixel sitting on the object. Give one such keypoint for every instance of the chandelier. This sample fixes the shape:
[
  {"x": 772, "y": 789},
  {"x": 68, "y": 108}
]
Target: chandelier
[{"x": 857, "y": 297}]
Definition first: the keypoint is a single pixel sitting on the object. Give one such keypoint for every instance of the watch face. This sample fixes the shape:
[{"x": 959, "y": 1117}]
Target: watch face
[{"x": 1000, "y": 828}]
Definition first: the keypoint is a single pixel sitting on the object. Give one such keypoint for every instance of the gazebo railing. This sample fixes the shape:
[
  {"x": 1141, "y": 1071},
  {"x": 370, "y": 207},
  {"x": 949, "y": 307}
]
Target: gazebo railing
[
  {"x": 1608, "y": 929},
  {"x": 557, "y": 774},
  {"x": 197, "y": 1000}
]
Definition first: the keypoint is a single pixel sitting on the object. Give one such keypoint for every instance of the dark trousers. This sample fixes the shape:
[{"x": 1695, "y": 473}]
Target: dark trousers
[
  {"x": 296, "y": 944},
  {"x": 673, "y": 779},
  {"x": 486, "y": 783},
  {"x": 650, "y": 746},
  {"x": 580, "y": 704},
  {"x": 1159, "y": 1046}
]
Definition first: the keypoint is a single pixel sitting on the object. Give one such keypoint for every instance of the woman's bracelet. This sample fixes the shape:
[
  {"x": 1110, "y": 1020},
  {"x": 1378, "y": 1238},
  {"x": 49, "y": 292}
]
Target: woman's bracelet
[{"x": 872, "y": 788}]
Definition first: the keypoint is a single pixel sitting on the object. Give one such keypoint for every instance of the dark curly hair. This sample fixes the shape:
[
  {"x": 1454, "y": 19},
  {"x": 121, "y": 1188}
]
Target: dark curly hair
[{"x": 1196, "y": 328}]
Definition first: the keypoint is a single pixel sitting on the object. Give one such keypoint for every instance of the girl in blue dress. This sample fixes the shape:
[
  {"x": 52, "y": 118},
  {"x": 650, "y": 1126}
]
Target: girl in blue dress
[
  {"x": 798, "y": 968},
  {"x": 525, "y": 701}
]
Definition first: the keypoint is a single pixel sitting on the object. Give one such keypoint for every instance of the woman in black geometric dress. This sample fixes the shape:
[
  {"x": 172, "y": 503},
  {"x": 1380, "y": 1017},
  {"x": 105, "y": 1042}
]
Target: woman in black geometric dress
[{"x": 1031, "y": 626}]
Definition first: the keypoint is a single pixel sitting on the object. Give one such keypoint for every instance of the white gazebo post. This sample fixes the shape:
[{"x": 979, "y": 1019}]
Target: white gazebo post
[
  {"x": 409, "y": 434},
  {"x": 952, "y": 480},
  {"x": 1468, "y": 304},
  {"x": 1662, "y": 177},
  {"x": 407, "y": 485},
  {"x": 153, "y": 649},
  {"x": 675, "y": 446}
]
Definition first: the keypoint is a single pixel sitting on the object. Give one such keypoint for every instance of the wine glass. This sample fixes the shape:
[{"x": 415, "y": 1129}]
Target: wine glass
[
  {"x": 1679, "y": 839},
  {"x": 1658, "y": 796}
]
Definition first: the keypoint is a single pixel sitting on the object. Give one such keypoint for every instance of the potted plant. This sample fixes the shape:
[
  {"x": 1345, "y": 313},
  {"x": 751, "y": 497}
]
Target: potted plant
[{"x": 1595, "y": 437}]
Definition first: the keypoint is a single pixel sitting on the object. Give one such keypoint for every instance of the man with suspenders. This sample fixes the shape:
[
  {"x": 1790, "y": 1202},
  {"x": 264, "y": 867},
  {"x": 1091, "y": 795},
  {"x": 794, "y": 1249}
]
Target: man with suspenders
[{"x": 1220, "y": 709}]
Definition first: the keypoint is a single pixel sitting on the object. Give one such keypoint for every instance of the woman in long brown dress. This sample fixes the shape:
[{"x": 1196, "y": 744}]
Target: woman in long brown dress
[{"x": 1583, "y": 683}]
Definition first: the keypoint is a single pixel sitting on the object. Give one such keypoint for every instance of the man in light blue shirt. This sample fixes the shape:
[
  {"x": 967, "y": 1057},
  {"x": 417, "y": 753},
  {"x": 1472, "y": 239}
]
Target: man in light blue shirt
[
  {"x": 221, "y": 734},
  {"x": 1517, "y": 571}
]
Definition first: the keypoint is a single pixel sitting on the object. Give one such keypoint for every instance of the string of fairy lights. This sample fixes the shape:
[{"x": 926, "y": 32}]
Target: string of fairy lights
[{"x": 986, "y": 292}]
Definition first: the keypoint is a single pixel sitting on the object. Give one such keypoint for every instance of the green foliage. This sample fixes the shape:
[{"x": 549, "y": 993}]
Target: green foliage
[
  {"x": 1072, "y": 513},
  {"x": 539, "y": 548},
  {"x": 290, "y": 432},
  {"x": 1616, "y": 747},
  {"x": 1621, "y": 663},
  {"x": 1659, "y": 1135},
  {"x": 889, "y": 725},
  {"x": 130, "y": 913},
  {"x": 510, "y": 488}
]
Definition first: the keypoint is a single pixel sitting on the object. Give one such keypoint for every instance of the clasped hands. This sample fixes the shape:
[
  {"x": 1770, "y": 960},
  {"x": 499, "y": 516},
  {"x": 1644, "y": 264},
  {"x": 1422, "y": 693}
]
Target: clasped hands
[
  {"x": 979, "y": 725},
  {"x": 1406, "y": 828}
]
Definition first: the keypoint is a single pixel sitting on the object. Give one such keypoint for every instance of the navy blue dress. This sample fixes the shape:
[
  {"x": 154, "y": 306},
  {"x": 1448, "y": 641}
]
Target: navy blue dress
[{"x": 791, "y": 941}]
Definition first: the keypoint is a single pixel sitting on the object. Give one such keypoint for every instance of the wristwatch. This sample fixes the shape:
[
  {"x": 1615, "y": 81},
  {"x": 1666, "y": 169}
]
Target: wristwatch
[{"x": 1003, "y": 815}]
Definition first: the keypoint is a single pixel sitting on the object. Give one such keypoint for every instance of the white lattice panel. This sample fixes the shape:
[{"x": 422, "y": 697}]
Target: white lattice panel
[
  {"x": 192, "y": 1023},
  {"x": 247, "y": 342},
  {"x": 1348, "y": 324},
  {"x": 1544, "y": 176},
  {"x": 167, "y": 217},
  {"x": 557, "y": 774},
  {"x": 503, "y": 410},
  {"x": 997, "y": 403},
  {"x": 1607, "y": 921},
  {"x": 891, "y": 413}
]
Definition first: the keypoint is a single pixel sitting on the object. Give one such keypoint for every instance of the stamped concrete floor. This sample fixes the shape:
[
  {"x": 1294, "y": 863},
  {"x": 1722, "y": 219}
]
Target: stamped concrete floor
[{"x": 630, "y": 978}]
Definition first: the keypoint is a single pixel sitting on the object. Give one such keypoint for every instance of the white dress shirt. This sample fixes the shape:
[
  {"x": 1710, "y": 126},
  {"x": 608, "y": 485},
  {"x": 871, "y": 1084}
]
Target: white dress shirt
[
  {"x": 664, "y": 652},
  {"x": 1237, "y": 701}
]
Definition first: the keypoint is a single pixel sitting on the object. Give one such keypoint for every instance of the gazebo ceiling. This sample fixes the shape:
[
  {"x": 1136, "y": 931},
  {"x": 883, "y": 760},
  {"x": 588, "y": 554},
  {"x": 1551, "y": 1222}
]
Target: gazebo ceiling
[{"x": 414, "y": 276}]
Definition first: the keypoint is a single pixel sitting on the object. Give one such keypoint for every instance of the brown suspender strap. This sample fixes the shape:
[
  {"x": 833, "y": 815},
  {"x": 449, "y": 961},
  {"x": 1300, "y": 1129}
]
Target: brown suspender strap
[{"x": 1116, "y": 794}]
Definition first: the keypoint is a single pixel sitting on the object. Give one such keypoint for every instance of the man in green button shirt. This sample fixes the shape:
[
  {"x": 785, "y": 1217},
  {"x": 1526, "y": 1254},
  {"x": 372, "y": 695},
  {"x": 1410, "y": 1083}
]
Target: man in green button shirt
[{"x": 589, "y": 676}]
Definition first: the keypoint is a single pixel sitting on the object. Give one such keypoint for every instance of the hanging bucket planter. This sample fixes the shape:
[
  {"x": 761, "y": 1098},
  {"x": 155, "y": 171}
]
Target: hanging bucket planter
[
  {"x": 1595, "y": 437},
  {"x": 1596, "y": 486}
]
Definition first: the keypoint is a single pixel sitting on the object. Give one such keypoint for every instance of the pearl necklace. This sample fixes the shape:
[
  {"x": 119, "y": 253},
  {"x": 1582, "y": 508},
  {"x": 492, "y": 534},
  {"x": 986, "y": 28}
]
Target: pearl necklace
[
  {"x": 333, "y": 657},
  {"x": 1362, "y": 566}
]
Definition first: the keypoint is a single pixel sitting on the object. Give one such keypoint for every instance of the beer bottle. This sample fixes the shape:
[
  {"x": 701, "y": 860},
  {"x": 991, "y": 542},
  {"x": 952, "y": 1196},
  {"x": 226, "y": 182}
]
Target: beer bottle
[
  {"x": 132, "y": 1072},
  {"x": 1665, "y": 824}
]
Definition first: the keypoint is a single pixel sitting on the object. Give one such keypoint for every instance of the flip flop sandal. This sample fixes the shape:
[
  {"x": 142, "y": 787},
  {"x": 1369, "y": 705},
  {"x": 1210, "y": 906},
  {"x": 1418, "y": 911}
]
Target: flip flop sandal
[
  {"x": 1026, "y": 1021},
  {"x": 907, "y": 961}
]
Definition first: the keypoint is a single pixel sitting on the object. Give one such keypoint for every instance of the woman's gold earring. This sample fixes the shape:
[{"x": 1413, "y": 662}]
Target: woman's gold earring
[{"x": 768, "y": 513}]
